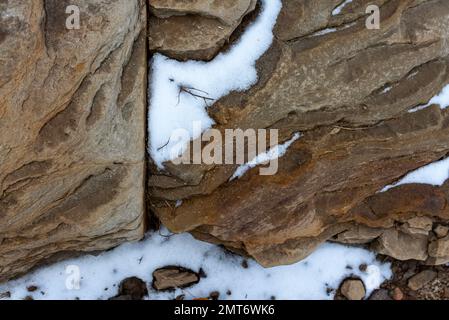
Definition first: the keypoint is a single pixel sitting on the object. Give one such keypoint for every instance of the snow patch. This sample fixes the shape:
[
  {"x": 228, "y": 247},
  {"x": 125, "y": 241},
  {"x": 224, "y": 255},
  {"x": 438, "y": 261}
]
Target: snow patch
[
  {"x": 101, "y": 275},
  {"x": 180, "y": 92},
  {"x": 324, "y": 31},
  {"x": 338, "y": 9},
  {"x": 434, "y": 174},
  {"x": 265, "y": 157},
  {"x": 441, "y": 99}
]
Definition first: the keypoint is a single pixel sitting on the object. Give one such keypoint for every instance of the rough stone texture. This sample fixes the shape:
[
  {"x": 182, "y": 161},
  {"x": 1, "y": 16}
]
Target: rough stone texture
[
  {"x": 195, "y": 29},
  {"x": 421, "y": 279},
  {"x": 349, "y": 93},
  {"x": 353, "y": 289},
  {"x": 402, "y": 246},
  {"x": 132, "y": 288},
  {"x": 439, "y": 251},
  {"x": 441, "y": 231},
  {"x": 72, "y": 129},
  {"x": 169, "y": 278}
]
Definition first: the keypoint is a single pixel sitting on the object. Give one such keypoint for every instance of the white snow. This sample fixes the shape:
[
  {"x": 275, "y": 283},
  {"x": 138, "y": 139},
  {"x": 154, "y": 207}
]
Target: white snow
[
  {"x": 324, "y": 31},
  {"x": 338, "y": 9},
  {"x": 265, "y": 157},
  {"x": 180, "y": 92},
  {"x": 100, "y": 275},
  {"x": 435, "y": 174},
  {"x": 441, "y": 99}
]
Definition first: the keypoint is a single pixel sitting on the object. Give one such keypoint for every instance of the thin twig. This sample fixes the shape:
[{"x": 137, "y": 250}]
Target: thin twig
[{"x": 159, "y": 149}]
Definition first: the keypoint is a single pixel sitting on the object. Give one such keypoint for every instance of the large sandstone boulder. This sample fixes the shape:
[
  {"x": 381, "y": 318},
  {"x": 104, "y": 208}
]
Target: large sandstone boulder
[
  {"x": 72, "y": 129},
  {"x": 348, "y": 90}
]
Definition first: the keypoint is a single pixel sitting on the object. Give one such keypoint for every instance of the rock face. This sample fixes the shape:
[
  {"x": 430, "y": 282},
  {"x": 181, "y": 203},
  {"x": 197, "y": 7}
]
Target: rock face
[
  {"x": 348, "y": 90},
  {"x": 194, "y": 29},
  {"x": 72, "y": 129}
]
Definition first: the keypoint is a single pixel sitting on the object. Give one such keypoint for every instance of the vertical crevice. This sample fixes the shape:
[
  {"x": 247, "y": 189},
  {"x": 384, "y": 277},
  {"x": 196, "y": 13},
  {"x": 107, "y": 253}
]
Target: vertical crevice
[{"x": 152, "y": 221}]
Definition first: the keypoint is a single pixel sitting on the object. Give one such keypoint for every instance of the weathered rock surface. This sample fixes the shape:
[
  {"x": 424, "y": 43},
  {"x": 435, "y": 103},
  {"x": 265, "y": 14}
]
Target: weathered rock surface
[
  {"x": 349, "y": 92},
  {"x": 421, "y": 279},
  {"x": 195, "y": 29},
  {"x": 72, "y": 129},
  {"x": 169, "y": 278},
  {"x": 132, "y": 288},
  {"x": 353, "y": 289}
]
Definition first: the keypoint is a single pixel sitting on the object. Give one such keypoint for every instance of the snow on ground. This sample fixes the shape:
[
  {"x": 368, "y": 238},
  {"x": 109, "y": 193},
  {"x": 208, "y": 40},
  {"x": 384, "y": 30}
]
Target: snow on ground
[
  {"x": 441, "y": 99},
  {"x": 100, "y": 275},
  {"x": 435, "y": 174},
  {"x": 338, "y": 9},
  {"x": 180, "y": 92},
  {"x": 265, "y": 157}
]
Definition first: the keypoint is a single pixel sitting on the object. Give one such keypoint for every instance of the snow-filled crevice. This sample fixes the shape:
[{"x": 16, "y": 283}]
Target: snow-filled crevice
[
  {"x": 273, "y": 154},
  {"x": 441, "y": 99},
  {"x": 434, "y": 174},
  {"x": 180, "y": 92},
  {"x": 340, "y": 7},
  {"x": 316, "y": 277}
]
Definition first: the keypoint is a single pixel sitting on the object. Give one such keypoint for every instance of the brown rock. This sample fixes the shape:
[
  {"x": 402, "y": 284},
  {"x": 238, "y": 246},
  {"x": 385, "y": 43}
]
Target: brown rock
[
  {"x": 439, "y": 248},
  {"x": 214, "y": 295},
  {"x": 441, "y": 231},
  {"x": 132, "y": 288},
  {"x": 353, "y": 289},
  {"x": 421, "y": 279},
  {"x": 402, "y": 246},
  {"x": 380, "y": 294},
  {"x": 229, "y": 12},
  {"x": 32, "y": 288},
  {"x": 439, "y": 251},
  {"x": 417, "y": 225},
  {"x": 358, "y": 234},
  {"x": 72, "y": 129},
  {"x": 195, "y": 29},
  {"x": 349, "y": 93},
  {"x": 169, "y": 278},
  {"x": 397, "y": 294}
]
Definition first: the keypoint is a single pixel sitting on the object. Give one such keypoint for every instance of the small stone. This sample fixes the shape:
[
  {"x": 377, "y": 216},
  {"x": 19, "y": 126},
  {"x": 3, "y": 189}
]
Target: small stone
[
  {"x": 170, "y": 278},
  {"x": 353, "y": 289},
  {"x": 397, "y": 294},
  {"x": 5, "y": 295},
  {"x": 214, "y": 295},
  {"x": 441, "y": 231},
  {"x": 439, "y": 248},
  {"x": 245, "y": 264},
  {"x": 133, "y": 287},
  {"x": 229, "y": 292},
  {"x": 421, "y": 279},
  {"x": 28, "y": 298},
  {"x": 32, "y": 288},
  {"x": 363, "y": 267},
  {"x": 380, "y": 294},
  {"x": 180, "y": 297}
]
